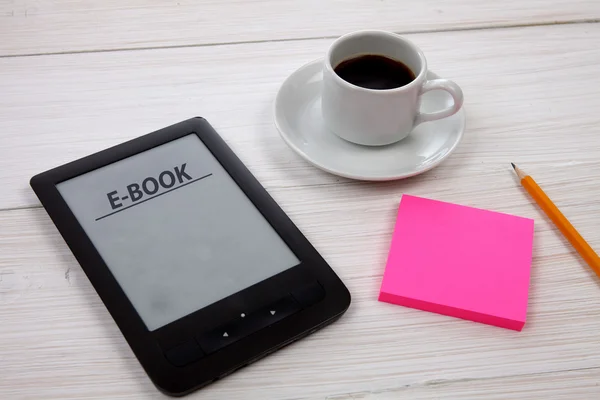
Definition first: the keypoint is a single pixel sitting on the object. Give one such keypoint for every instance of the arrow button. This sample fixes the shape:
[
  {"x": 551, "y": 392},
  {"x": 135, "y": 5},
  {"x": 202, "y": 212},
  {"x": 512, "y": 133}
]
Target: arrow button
[
  {"x": 222, "y": 336},
  {"x": 277, "y": 311}
]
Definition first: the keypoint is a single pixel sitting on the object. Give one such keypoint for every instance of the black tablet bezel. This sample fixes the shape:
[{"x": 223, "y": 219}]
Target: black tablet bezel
[{"x": 149, "y": 346}]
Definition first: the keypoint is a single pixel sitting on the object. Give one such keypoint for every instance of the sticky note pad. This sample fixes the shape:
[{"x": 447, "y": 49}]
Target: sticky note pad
[{"x": 460, "y": 261}]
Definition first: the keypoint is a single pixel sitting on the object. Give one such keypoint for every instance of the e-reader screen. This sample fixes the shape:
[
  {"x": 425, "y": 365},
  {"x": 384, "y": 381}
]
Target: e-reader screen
[{"x": 175, "y": 230}]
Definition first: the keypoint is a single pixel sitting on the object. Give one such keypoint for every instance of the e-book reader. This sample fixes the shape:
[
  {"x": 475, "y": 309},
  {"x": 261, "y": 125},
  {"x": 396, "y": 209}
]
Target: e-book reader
[{"x": 199, "y": 267}]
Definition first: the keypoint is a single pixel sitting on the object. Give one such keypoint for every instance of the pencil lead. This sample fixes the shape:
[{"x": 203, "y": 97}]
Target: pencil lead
[{"x": 514, "y": 166}]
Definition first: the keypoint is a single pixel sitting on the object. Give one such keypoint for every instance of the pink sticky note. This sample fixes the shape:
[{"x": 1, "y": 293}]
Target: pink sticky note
[{"x": 460, "y": 261}]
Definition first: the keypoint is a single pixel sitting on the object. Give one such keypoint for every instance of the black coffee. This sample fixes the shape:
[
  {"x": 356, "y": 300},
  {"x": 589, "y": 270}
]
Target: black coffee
[{"x": 375, "y": 72}]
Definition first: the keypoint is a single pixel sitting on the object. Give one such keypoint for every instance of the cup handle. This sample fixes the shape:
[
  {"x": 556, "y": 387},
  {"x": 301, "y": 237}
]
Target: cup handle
[{"x": 441, "y": 84}]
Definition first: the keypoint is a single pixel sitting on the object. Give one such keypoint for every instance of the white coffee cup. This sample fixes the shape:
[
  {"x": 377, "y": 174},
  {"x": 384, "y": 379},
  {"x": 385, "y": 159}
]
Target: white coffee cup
[{"x": 379, "y": 117}]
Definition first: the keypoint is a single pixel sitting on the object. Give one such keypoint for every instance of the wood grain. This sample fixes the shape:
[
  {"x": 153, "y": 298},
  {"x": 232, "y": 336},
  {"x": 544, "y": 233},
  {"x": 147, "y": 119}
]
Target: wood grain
[
  {"x": 529, "y": 101},
  {"x": 557, "y": 386},
  {"x": 531, "y": 97},
  {"x": 51, "y": 26}
]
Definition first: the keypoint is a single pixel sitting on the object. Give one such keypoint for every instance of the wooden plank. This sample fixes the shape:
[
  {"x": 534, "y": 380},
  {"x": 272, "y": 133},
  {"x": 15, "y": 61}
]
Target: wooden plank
[
  {"x": 570, "y": 385},
  {"x": 34, "y": 27},
  {"x": 530, "y": 101}
]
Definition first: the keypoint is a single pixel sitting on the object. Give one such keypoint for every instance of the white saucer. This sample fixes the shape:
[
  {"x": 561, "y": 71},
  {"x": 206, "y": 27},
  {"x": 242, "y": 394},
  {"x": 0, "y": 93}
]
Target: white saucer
[{"x": 298, "y": 119}]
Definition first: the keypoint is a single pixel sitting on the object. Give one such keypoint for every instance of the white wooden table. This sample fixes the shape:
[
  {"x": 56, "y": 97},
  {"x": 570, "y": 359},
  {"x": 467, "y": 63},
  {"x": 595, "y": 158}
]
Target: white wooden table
[{"x": 79, "y": 76}]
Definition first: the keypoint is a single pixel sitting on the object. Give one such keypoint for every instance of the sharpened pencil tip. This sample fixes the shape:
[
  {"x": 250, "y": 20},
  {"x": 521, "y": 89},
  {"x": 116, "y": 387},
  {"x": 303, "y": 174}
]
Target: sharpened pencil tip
[{"x": 514, "y": 166}]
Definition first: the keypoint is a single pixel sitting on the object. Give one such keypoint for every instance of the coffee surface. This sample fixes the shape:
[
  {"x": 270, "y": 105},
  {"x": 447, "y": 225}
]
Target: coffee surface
[{"x": 375, "y": 72}]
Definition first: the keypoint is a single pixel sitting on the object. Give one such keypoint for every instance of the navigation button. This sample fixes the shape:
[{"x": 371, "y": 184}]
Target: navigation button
[
  {"x": 212, "y": 341},
  {"x": 251, "y": 322},
  {"x": 310, "y": 294},
  {"x": 184, "y": 354},
  {"x": 277, "y": 311}
]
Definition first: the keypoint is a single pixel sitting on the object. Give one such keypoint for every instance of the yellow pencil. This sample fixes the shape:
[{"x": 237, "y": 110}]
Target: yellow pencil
[{"x": 561, "y": 222}]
